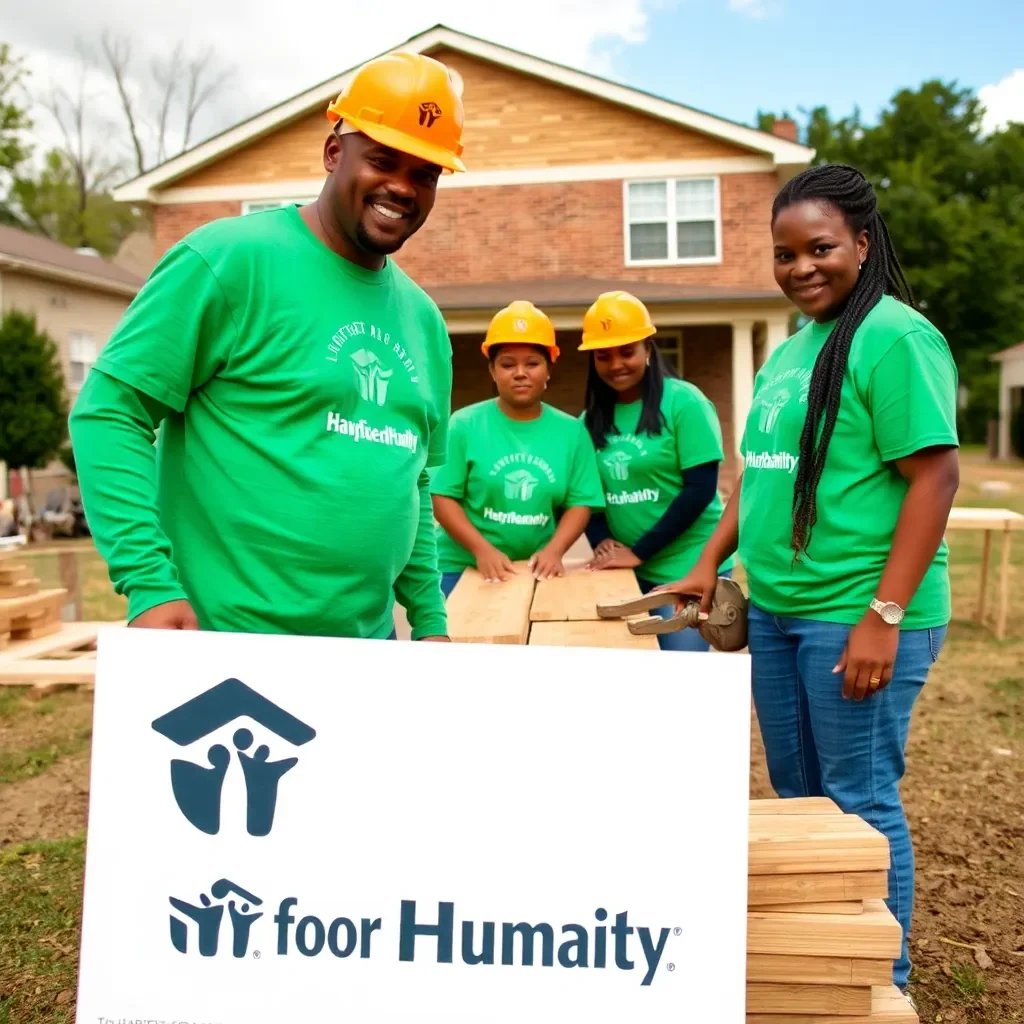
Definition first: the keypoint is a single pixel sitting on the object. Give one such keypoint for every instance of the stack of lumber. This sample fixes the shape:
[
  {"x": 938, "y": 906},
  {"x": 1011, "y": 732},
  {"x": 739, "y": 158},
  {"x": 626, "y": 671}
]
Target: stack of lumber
[
  {"x": 66, "y": 657},
  {"x": 820, "y": 939},
  {"x": 26, "y": 611}
]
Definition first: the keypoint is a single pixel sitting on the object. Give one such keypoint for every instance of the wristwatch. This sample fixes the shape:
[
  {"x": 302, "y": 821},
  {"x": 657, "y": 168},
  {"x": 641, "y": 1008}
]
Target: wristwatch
[{"x": 891, "y": 613}]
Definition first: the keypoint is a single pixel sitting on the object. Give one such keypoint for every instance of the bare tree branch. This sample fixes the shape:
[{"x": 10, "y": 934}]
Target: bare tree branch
[
  {"x": 167, "y": 74},
  {"x": 200, "y": 90},
  {"x": 118, "y": 54}
]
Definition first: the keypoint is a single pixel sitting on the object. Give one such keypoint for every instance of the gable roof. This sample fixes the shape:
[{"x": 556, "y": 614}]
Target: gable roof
[
  {"x": 781, "y": 151},
  {"x": 42, "y": 257},
  {"x": 1009, "y": 355}
]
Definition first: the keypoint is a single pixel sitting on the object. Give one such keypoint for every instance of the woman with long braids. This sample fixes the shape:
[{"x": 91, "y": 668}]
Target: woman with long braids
[{"x": 851, "y": 470}]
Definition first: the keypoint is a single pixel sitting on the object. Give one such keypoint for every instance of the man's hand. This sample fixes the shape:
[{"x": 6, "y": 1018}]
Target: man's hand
[
  {"x": 869, "y": 656},
  {"x": 436, "y": 639},
  {"x": 545, "y": 564},
  {"x": 618, "y": 558},
  {"x": 170, "y": 615},
  {"x": 493, "y": 565},
  {"x": 606, "y": 547}
]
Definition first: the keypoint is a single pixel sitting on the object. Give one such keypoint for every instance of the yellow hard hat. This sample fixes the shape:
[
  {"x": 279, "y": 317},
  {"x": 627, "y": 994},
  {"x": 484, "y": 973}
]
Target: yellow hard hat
[
  {"x": 521, "y": 323},
  {"x": 616, "y": 319},
  {"x": 409, "y": 102}
]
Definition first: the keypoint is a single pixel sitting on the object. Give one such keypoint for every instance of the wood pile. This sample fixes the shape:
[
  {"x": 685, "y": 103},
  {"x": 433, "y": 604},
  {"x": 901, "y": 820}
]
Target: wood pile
[
  {"x": 26, "y": 611},
  {"x": 820, "y": 939}
]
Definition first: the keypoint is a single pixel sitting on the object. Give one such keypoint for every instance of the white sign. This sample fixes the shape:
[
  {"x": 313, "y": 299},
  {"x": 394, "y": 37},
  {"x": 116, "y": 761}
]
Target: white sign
[{"x": 301, "y": 830}]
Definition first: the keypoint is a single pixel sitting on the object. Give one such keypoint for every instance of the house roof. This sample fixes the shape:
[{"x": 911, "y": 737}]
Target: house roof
[
  {"x": 1011, "y": 354},
  {"x": 42, "y": 257},
  {"x": 783, "y": 152},
  {"x": 581, "y": 292}
]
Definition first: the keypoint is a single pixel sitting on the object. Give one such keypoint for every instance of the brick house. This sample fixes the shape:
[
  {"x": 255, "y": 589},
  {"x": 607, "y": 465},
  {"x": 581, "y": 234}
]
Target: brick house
[{"x": 575, "y": 186}]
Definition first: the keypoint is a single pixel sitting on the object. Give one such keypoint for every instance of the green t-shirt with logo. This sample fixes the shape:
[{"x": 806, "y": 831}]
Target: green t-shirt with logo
[
  {"x": 513, "y": 478},
  {"x": 306, "y": 398},
  {"x": 899, "y": 396},
  {"x": 642, "y": 475}
]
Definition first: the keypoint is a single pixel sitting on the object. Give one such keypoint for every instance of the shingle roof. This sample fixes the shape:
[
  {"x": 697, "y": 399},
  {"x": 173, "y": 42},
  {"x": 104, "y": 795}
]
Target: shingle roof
[
  {"x": 1012, "y": 353},
  {"x": 43, "y": 253}
]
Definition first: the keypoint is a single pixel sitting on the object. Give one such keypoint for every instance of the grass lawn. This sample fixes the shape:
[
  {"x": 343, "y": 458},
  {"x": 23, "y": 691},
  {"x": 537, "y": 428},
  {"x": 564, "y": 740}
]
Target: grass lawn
[{"x": 963, "y": 793}]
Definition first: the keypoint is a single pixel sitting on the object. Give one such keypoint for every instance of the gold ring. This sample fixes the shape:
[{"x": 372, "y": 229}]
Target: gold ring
[{"x": 875, "y": 680}]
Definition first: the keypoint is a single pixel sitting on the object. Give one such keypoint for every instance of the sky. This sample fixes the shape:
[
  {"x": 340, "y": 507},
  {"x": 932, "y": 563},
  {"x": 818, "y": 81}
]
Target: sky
[{"x": 727, "y": 57}]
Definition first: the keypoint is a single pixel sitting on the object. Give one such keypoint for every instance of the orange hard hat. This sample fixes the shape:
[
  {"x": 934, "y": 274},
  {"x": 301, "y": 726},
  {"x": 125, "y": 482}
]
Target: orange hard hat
[
  {"x": 521, "y": 323},
  {"x": 409, "y": 102},
  {"x": 616, "y": 319}
]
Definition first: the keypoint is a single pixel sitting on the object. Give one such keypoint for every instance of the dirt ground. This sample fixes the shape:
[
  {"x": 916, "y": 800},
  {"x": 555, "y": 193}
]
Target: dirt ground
[{"x": 964, "y": 793}]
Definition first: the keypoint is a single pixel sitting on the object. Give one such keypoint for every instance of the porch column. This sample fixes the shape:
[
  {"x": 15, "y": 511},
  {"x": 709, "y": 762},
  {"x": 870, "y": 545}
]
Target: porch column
[
  {"x": 778, "y": 332},
  {"x": 742, "y": 377},
  {"x": 1005, "y": 412}
]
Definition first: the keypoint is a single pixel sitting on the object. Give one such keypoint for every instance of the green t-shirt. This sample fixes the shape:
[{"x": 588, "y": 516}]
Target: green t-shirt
[
  {"x": 899, "y": 396},
  {"x": 308, "y": 397},
  {"x": 513, "y": 478},
  {"x": 643, "y": 474}
]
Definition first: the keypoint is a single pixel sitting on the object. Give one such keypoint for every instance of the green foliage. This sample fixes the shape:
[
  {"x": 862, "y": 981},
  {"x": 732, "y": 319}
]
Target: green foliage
[
  {"x": 953, "y": 199},
  {"x": 33, "y": 403},
  {"x": 14, "y": 119}
]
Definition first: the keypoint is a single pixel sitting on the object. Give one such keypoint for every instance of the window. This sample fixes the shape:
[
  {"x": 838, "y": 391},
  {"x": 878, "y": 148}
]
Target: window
[
  {"x": 259, "y": 205},
  {"x": 673, "y": 221},
  {"x": 81, "y": 356},
  {"x": 670, "y": 344}
]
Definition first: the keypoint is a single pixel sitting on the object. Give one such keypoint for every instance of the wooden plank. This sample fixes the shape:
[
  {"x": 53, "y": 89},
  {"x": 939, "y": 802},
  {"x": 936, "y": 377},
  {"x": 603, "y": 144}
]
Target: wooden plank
[
  {"x": 810, "y": 843},
  {"x": 491, "y": 613},
  {"x": 845, "y": 907},
  {"x": 575, "y": 595},
  {"x": 817, "y": 970},
  {"x": 820, "y": 1000},
  {"x": 69, "y": 580},
  {"x": 14, "y": 609},
  {"x": 602, "y": 633},
  {"x": 887, "y": 1007},
  {"x": 47, "y": 670},
  {"x": 796, "y": 805},
  {"x": 962, "y": 518},
  {"x": 764, "y": 890},
  {"x": 72, "y": 636},
  {"x": 11, "y": 572},
  {"x": 873, "y": 935},
  {"x": 23, "y": 588},
  {"x": 36, "y": 631}
]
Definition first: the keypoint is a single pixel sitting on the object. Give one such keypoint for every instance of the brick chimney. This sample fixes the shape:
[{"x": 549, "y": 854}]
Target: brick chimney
[{"x": 786, "y": 128}]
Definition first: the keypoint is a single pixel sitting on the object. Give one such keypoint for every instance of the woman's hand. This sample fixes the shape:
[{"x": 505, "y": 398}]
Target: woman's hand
[
  {"x": 868, "y": 658},
  {"x": 546, "y": 563},
  {"x": 619, "y": 557},
  {"x": 493, "y": 565},
  {"x": 700, "y": 583},
  {"x": 606, "y": 547}
]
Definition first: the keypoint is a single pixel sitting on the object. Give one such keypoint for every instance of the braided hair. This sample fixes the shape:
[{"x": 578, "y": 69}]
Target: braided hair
[{"x": 851, "y": 193}]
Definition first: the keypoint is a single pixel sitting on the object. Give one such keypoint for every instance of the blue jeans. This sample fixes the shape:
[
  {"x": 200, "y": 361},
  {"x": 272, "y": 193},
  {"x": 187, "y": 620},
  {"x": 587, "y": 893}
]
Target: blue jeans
[
  {"x": 681, "y": 639},
  {"x": 818, "y": 744},
  {"x": 448, "y": 581}
]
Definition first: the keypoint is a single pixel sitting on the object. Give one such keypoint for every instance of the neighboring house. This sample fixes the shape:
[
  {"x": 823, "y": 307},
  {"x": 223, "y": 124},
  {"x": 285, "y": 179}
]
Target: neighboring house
[
  {"x": 77, "y": 299},
  {"x": 576, "y": 185},
  {"x": 1011, "y": 393}
]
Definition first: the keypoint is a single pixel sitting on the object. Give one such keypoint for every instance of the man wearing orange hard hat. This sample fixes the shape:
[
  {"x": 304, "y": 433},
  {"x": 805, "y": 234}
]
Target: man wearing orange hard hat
[{"x": 302, "y": 384}]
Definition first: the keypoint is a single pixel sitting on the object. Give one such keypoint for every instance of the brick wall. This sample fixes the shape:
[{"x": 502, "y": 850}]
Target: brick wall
[
  {"x": 575, "y": 229},
  {"x": 171, "y": 223},
  {"x": 707, "y": 363}
]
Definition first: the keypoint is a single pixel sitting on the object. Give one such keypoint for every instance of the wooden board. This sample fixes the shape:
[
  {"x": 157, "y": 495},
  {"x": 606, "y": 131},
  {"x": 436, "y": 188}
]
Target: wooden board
[
  {"x": 11, "y": 572},
  {"x": 576, "y": 595},
  {"x": 887, "y": 1007},
  {"x": 23, "y": 588},
  {"x": 606, "y": 633},
  {"x": 764, "y": 890},
  {"x": 820, "y": 1000},
  {"x": 40, "y": 671},
  {"x": 817, "y": 970},
  {"x": 962, "y": 518},
  {"x": 796, "y": 805},
  {"x": 14, "y": 610},
  {"x": 61, "y": 658},
  {"x": 873, "y": 935},
  {"x": 491, "y": 613},
  {"x": 808, "y": 843},
  {"x": 73, "y": 635},
  {"x": 847, "y": 908}
]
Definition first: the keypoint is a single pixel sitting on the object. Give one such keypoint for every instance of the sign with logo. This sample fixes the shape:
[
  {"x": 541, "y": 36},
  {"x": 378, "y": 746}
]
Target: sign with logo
[{"x": 315, "y": 829}]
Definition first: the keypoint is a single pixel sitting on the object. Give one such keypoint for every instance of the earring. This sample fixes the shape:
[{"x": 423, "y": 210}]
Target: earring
[
  {"x": 648, "y": 360},
  {"x": 860, "y": 266}
]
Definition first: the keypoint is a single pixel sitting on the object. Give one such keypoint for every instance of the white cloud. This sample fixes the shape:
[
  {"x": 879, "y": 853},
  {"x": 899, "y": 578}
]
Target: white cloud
[
  {"x": 1003, "y": 101},
  {"x": 276, "y": 55},
  {"x": 751, "y": 8}
]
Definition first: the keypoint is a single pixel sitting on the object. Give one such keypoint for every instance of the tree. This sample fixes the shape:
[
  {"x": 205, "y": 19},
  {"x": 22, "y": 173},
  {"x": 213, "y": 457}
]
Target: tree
[
  {"x": 953, "y": 198},
  {"x": 14, "y": 122},
  {"x": 33, "y": 403}
]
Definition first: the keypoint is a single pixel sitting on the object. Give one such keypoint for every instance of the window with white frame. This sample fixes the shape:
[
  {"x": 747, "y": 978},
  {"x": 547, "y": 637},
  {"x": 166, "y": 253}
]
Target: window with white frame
[
  {"x": 81, "y": 356},
  {"x": 670, "y": 345},
  {"x": 259, "y": 205},
  {"x": 673, "y": 220}
]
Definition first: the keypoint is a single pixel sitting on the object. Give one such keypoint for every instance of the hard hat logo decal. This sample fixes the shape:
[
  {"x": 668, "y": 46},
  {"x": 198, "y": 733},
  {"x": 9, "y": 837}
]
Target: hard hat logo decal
[
  {"x": 429, "y": 113},
  {"x": 606, "y": 323},
  {"x": 520, "y": 326}
]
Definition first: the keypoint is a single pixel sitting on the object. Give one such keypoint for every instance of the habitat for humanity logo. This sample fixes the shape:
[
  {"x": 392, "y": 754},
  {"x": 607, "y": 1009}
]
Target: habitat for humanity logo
[
  {"x": 617, "y": 464},
  {"x": 520, "y": 484},
  {"x": 197, "y": 788},
  {"x": 373, "y": 376},
  {"x": 207, "y": 918}
]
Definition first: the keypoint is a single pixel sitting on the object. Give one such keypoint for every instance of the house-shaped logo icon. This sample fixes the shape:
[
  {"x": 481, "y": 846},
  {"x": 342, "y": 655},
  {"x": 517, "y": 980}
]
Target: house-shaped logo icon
[
  {"x": 197, "y": 788},
  {"x": 207, "y": 917}
]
